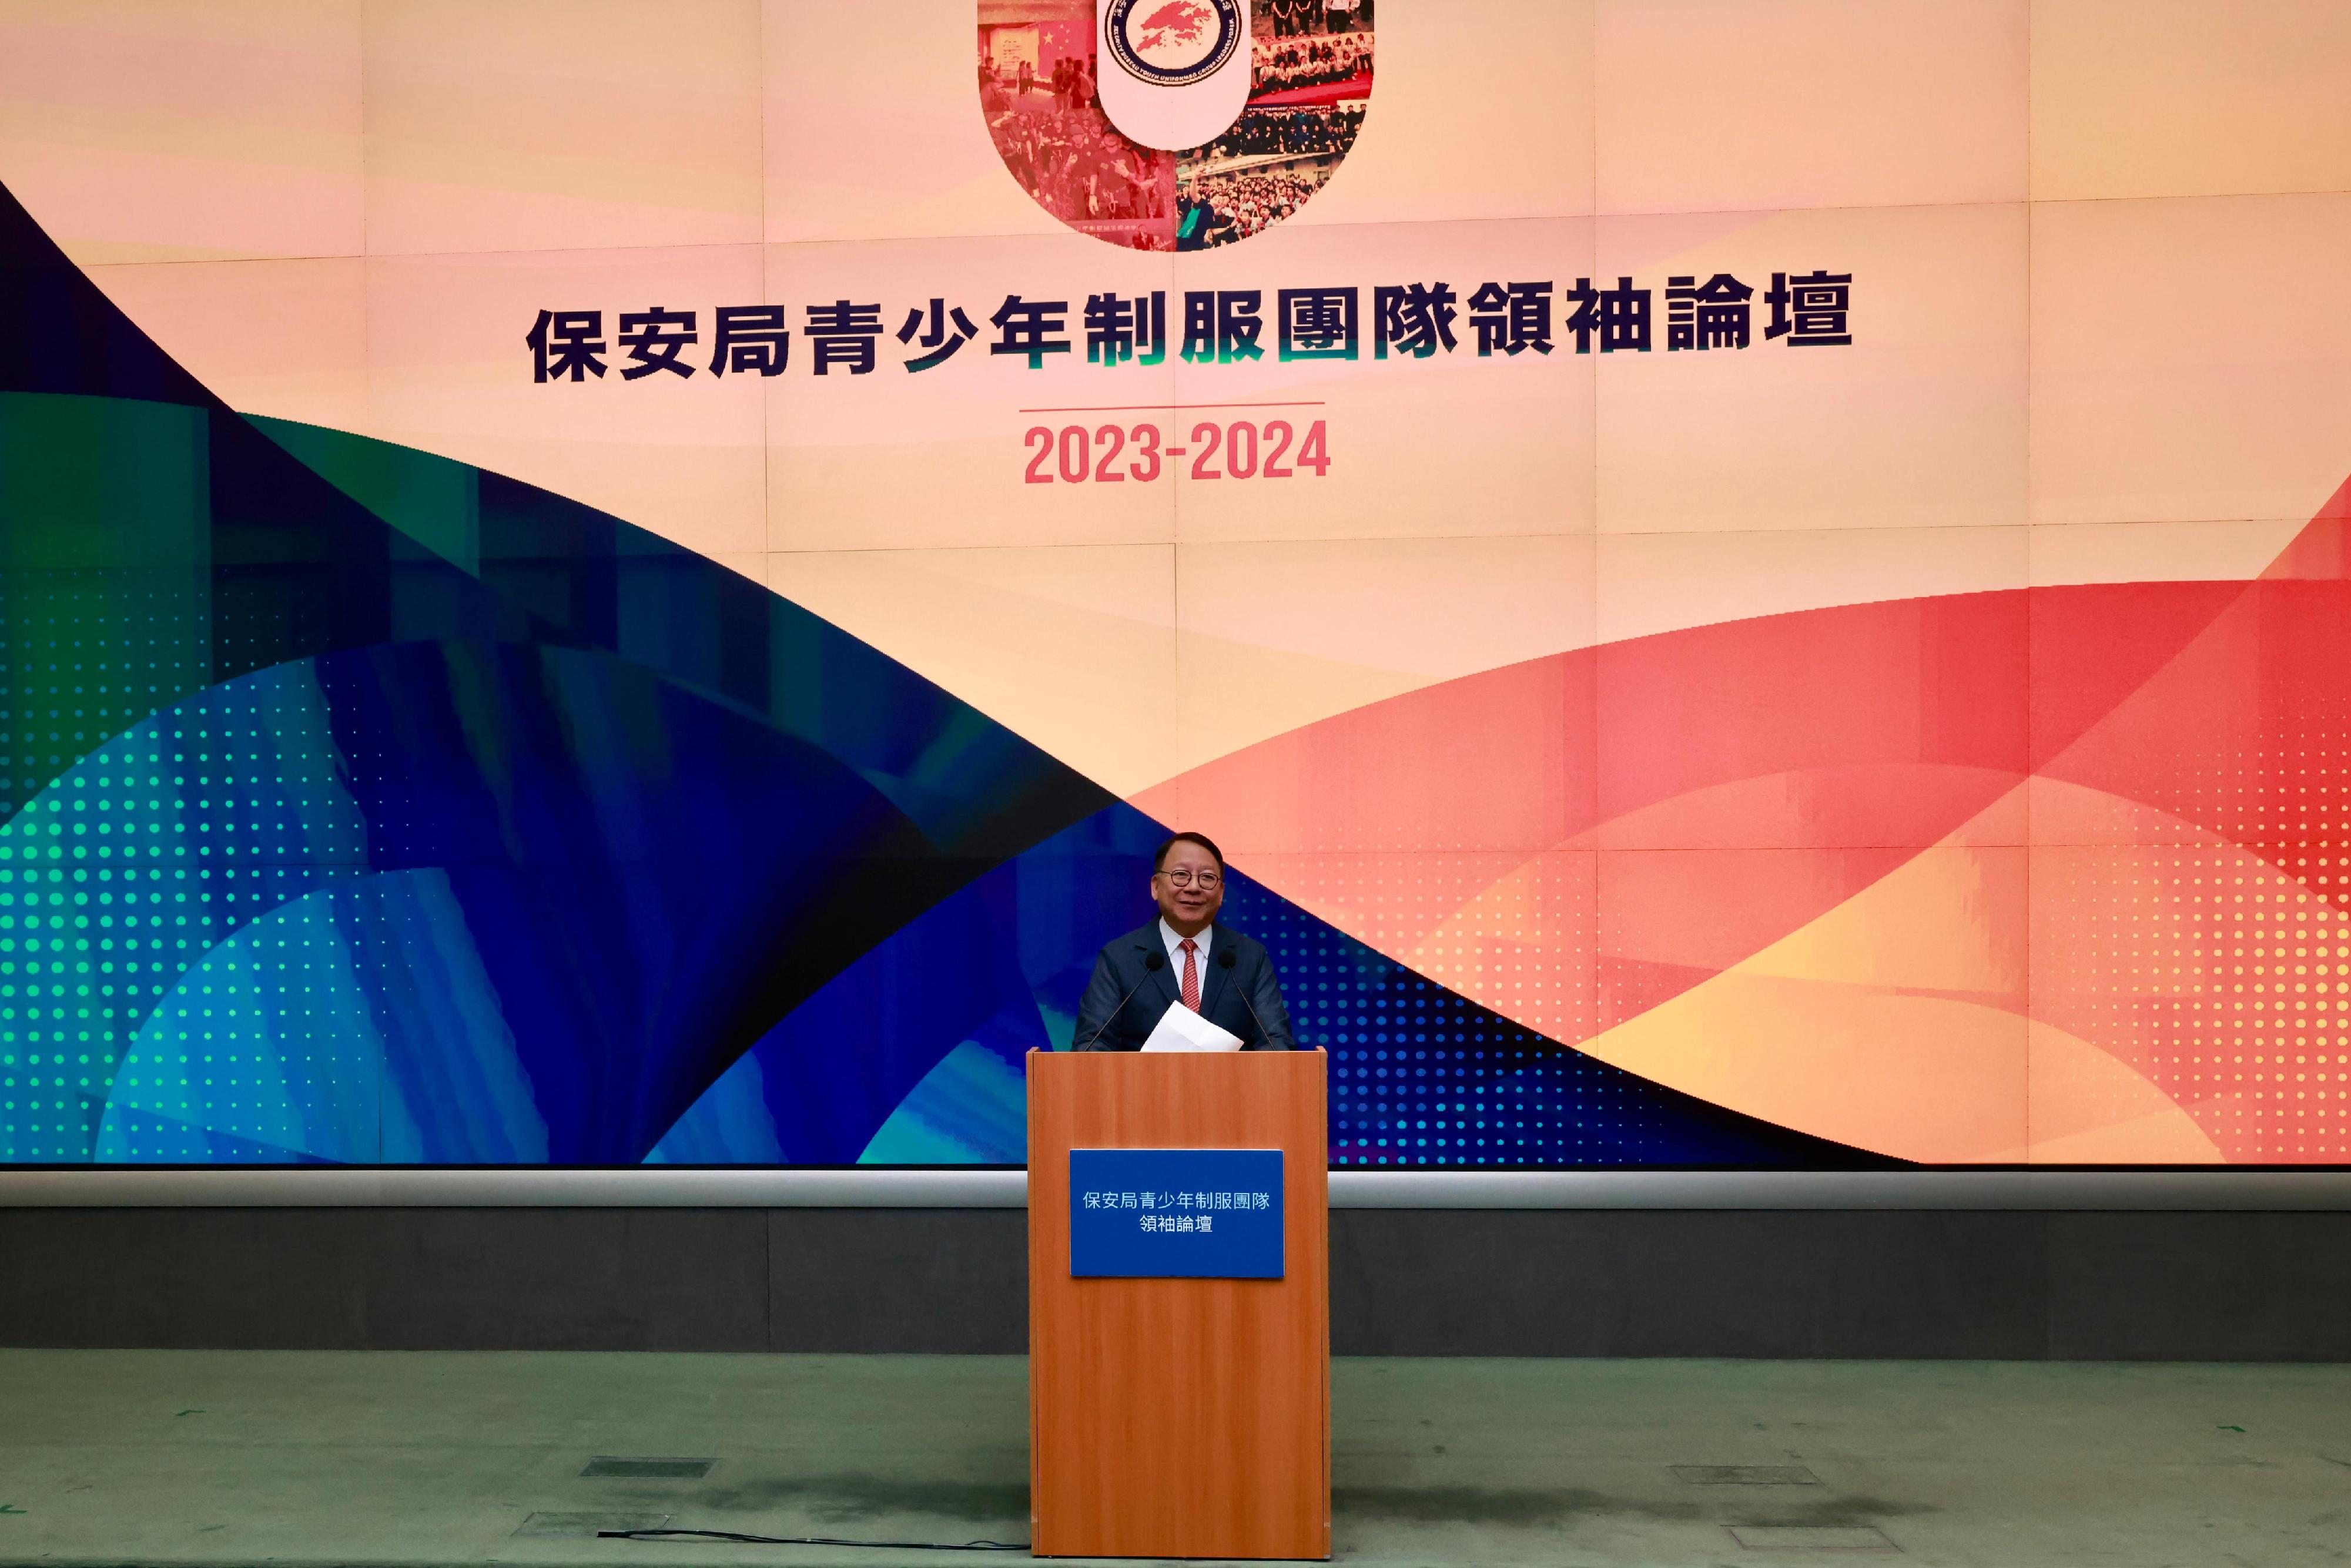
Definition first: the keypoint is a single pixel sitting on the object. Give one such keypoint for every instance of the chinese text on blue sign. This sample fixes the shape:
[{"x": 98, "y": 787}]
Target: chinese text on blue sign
[{"x": 1212, "y": 1214}]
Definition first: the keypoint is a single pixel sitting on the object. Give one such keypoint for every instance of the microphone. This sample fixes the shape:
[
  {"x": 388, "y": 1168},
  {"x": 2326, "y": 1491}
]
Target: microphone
[
  {"x": 1225, "y": 960},
  {"x": 1152, "y": 964}
]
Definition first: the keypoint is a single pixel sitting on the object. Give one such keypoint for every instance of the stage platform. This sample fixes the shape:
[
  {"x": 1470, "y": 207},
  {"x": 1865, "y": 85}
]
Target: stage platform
[{"x": 302, "y": 1458}]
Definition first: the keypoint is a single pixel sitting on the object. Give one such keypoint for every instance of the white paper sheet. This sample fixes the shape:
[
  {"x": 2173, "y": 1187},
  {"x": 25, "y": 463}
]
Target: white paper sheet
[{"x": 1181, "y": 1028}]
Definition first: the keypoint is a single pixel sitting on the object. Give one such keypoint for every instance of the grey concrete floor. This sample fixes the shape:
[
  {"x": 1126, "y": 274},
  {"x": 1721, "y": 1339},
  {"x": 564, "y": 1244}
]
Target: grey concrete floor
[{"x": 188, "y": 1456}]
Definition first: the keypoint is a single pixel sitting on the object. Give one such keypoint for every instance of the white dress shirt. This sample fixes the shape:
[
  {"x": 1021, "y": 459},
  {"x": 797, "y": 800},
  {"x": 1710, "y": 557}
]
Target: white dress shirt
[{"x": 1175, "y": 940}]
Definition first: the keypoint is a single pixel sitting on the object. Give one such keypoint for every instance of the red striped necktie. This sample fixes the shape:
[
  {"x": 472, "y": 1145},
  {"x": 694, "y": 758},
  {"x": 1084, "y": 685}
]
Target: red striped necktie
[{"x": 1191, "y": 973}]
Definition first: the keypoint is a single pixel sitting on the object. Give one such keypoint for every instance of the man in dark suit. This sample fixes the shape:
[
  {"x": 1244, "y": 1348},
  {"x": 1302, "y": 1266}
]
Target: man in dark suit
[{"x": 1221, "y": 975}]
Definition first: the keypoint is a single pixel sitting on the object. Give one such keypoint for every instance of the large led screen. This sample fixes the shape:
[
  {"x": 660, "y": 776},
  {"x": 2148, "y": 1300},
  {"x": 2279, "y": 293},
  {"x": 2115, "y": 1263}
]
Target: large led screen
[{"x": 1741, "y": 582}]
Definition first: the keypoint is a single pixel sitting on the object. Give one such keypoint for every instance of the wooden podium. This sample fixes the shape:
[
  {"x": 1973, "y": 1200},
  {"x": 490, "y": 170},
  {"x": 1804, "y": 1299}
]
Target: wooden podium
[{"x": 1179, "y": 1417}]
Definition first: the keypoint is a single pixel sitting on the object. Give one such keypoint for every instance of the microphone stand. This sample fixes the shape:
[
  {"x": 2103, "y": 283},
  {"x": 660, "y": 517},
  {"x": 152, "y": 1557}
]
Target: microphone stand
[
  {"x": 1225, "y": 961},
  {"x": 1152, "y": 964}
]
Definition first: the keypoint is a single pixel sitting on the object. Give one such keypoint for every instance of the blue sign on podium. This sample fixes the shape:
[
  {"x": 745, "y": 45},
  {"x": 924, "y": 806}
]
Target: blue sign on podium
[{"x": 1175, "y": 1213}]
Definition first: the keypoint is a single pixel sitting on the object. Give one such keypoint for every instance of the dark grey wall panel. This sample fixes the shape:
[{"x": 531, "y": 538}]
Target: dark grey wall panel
[
  {"x": 400, "y": 1279},
  {"x": 588, "y": 1278},
  {"x": 1407, "y": 1283},
  {"x": 2199, "y": 1286},
  {"x": 863, "y": 1280},
  {"x": 211, "y": 1278},
  {"x": 1926, "y": 1283}
]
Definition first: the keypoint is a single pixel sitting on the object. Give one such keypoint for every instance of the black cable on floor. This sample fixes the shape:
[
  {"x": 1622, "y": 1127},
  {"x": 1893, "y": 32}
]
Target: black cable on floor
[{"x": 808, "y": 1540}]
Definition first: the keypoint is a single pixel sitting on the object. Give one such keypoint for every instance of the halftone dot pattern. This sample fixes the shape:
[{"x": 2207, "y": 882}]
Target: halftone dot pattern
[
  {"x": 2217, "y": 977},
  {"x": 132, "y": 867},
  {"x": 239, "y": 1047},
  {"x": 1525, "y": 945},
  {"x": 331, "y": 1029},
  {"x": 1421, "y": 1075},
  {"x": 2201, "y": 936},
  {"x": 72, "y": 681},
  {"x": 1514, "y": 933}
]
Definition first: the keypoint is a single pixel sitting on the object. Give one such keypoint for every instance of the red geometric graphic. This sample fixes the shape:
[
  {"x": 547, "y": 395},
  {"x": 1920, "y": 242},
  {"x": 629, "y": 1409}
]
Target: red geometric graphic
[{"x": 2050, "y": 873}]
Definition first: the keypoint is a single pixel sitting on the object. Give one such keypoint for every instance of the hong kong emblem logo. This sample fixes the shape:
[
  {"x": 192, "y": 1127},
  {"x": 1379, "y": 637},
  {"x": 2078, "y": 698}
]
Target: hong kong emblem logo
[
  {"x": 1175, "y": 72},
  {"x": 1172, "y": 42}
]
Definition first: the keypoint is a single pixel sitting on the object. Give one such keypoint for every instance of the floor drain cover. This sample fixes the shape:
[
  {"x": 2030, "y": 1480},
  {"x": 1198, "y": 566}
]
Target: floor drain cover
[
  {"x": 1746, "y": 1476},
  {"x": 1812, "y": 1538},
  {"x": 584, "y": 1526},
  {"x": 649, "y": 1470}
]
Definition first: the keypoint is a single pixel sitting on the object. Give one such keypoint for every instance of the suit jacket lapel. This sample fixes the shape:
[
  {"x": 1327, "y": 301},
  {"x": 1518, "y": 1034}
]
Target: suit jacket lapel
[
  {"x": 1212, "y": 976},
  {"x": 1162, "y": 977}
]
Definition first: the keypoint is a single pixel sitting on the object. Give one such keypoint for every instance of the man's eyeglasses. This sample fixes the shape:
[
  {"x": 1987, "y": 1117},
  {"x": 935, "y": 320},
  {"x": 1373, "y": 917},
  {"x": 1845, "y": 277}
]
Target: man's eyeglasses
[{"x": 1207, "y": 879}]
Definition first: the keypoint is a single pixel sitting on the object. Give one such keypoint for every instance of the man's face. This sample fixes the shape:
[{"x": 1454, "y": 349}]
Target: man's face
[{"x": 1190, "y": 887}]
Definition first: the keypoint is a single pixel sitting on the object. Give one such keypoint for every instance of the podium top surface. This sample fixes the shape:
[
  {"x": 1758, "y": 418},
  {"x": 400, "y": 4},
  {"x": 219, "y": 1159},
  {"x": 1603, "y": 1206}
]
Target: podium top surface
[{"x": 1265, "y": 1099}]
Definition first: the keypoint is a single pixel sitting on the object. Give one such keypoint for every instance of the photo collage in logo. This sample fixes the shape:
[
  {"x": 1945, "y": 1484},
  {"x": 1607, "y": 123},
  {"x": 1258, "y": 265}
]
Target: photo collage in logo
[{"x": 1039, "y": 73}]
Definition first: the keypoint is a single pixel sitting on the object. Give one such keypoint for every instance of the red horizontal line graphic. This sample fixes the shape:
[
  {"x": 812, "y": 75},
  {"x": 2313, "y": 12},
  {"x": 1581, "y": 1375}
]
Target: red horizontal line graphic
[
  {"x": 1149, "y": 407},
  {"x": 1354, "y": 87}
]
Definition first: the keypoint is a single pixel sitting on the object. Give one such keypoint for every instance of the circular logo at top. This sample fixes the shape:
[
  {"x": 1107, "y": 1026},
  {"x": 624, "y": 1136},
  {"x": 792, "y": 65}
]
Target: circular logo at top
[{"x": 1172, "y": 43}]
